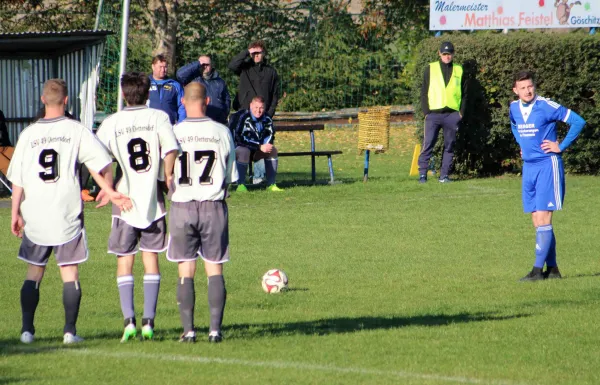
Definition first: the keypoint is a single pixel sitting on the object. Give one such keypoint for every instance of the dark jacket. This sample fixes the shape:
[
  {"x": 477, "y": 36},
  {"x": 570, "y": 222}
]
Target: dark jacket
[
  {"x": 447, "y": 72},
  {"x": 255, "y": 79},
  {"x": 216, "y": 90},
  {"x": 4, "y": 139},
  {"x": 250, "y": 132},
  {"x": 166, "y": 95}
]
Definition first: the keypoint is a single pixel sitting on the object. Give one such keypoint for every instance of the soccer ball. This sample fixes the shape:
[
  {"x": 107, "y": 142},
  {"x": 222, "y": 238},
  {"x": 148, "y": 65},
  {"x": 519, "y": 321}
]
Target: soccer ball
[{"x": 274, "y": 281}]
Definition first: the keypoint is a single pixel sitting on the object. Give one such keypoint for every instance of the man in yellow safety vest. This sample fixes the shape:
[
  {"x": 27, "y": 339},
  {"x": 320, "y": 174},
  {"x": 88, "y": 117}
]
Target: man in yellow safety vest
[{"x": 443, "y": 103}]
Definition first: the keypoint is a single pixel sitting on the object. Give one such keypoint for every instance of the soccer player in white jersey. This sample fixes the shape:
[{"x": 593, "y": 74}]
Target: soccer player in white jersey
[
  {"x": 533, "y": 122},
  {"x": 47, "y": 212},
  {"x": 198, "y": 219},
  {"x": 140, "y": 139}
]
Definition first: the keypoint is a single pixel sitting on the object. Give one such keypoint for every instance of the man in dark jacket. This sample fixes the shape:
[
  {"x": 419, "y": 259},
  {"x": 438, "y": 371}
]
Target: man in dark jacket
[
  {"x": 257, "y": 78},
  {"x": 202, "y": 71},
  {"x": 165, "y": 93},
  {"x": 254, "y": 134}
]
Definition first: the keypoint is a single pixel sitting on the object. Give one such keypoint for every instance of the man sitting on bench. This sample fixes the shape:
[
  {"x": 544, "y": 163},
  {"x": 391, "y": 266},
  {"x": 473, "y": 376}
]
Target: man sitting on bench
[{"x": 254, "y": 133}]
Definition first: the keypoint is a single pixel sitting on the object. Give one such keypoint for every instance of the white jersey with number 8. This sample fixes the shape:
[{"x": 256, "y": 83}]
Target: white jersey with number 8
[
  {"x": 207, "y": 162},
  {"x": 46, "y": 165},
  {"x": 139, "y": 138}
]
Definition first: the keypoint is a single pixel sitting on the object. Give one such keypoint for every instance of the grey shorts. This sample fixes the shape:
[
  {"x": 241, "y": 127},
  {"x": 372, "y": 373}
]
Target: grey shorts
[
  {"x": 71, "y": 253},
  {"x": 198, "y": 229},
  {"x": 124, "y": 238}
]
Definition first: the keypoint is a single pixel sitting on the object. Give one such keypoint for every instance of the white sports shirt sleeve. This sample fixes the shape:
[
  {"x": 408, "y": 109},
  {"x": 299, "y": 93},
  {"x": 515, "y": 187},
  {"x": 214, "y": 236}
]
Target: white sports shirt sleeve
[
  {"x": 46, "y": 165},
  {"x": 135, "y": 137},
  {"x": 207, "y": 162}
]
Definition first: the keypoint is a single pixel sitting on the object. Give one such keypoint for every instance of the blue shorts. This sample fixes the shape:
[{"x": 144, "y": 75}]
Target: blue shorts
[{"x": 543, "y": 185}]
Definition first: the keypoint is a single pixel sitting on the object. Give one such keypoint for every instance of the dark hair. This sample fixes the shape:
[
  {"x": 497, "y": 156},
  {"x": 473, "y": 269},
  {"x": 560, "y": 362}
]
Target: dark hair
[
  {"x": 258, "y": 44},
  {"x": 523, "y": 75},
  {"x": 135, "y": 86},
  {"x": 159, "y": 58}
]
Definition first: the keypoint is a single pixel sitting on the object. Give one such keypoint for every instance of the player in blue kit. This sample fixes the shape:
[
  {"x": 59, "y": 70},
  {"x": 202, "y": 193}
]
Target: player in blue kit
[{"x": 533, "y": 122}]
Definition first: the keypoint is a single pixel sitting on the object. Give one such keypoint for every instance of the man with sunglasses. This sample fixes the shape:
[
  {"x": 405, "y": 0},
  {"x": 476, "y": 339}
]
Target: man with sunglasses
[
  {"x": 203, "y": 72},
  {"x": 257, "y": 78},
  {"x": 443, "y": 101}
]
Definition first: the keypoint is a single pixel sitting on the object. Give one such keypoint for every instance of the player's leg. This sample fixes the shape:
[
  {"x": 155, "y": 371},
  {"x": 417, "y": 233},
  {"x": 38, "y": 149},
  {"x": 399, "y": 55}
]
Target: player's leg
[
  {"x": 68, "y": 257},
  {"x": 184, "y": 243},
  {"x": 271, "y": 162},
  {"x": 36, "y": 257},
  {"x": 123, "y": 241},
  {"x": 186, "y": 299},
  {"x": 30, "y": 297},
  {"x": 450, "y": 124},
  {"x": 242, "y": 158},
  {"x": 153, "y": 240},
  {"x": 550, "y": 183},
  {"x": 214, "y": 251},
  {"x": 529, "y": 195},
  {"x": 431, "y": 131},
  {"x": 217, "y": 296}
]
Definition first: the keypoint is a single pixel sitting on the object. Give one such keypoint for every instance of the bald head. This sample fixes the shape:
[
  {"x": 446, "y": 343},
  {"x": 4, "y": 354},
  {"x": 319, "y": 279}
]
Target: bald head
[{"x": 195, "y": 100}]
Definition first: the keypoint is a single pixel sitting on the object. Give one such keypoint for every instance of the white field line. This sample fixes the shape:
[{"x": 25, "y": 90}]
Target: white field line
[{"x": 288, "y": 365}]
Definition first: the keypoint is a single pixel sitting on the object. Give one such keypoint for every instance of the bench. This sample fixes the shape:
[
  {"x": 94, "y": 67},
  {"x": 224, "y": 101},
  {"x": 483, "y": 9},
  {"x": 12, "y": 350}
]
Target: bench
[{"x": 313, "y": 153}]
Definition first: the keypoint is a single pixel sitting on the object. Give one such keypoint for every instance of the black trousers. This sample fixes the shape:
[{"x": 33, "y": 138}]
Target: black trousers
[{"x": 433, "y": 122}]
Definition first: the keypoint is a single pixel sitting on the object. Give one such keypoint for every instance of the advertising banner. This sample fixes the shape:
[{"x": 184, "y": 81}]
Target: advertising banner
[{"x": 513, "y": 14}]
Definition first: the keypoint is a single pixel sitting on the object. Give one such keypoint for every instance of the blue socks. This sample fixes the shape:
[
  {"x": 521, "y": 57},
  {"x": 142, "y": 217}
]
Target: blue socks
[{"x": 545, "y": 244}]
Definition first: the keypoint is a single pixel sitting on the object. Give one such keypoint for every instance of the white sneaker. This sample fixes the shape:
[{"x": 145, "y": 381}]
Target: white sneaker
[
  {"x": 71, "y": 339},
  {"x": 26, "y": 338}
]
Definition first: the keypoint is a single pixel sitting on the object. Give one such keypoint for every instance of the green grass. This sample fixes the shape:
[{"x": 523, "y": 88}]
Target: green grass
[{"x": 391, "y": 282}]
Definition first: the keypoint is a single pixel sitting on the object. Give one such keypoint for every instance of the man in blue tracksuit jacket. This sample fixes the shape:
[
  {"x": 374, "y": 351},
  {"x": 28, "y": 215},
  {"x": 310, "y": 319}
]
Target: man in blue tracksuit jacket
[
  {"x": 202, "y": 71},
  {"x": 165, "y": 94}
]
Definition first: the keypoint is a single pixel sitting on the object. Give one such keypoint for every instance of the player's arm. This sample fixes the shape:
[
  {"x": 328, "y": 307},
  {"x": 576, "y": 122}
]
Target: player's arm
[
  {"x": 231, "y": 173},
  {"x": 169, "y": 163},
  {"x": 189, "y": 72},
  {"x": 576, "y": 124},
  {"x": 16, "y": 220},
  {"x": 104, "y": 180}
]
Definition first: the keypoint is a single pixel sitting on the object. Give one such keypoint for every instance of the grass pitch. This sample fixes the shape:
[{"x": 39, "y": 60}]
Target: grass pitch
[{"x": 390, "y": 282}]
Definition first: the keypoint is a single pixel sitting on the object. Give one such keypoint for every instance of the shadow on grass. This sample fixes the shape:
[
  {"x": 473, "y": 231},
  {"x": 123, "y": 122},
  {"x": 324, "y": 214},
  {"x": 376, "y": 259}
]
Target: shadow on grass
[
  {"x": 351, "y": 325},
  {"x": 590, "y": 275},
  {"x": 245, "y": 331}
]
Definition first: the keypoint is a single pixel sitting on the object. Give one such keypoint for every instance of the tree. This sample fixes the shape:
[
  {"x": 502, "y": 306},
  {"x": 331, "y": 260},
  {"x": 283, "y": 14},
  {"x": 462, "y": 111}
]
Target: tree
[{"x": 163, "y": 18}]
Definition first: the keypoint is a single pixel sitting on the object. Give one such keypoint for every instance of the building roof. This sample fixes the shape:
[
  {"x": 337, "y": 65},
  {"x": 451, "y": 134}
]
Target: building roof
[{"x": 27, "y": 44}]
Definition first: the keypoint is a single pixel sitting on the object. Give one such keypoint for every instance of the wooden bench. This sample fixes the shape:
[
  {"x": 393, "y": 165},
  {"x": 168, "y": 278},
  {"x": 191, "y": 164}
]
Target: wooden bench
[{"x": 313, "y": 153}]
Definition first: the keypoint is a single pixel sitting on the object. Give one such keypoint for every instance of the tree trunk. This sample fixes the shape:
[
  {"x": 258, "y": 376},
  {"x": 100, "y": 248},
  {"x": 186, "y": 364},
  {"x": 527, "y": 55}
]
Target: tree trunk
[{"x": 163, "y": 17}]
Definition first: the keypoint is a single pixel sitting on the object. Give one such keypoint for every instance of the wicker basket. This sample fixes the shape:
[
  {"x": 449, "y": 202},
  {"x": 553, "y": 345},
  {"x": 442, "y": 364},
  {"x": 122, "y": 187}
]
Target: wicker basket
[{"x": 374, "y": 129}]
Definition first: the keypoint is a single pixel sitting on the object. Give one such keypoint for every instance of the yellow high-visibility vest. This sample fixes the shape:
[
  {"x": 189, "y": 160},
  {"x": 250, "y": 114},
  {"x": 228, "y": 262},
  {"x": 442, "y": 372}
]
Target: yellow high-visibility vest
[{"x": 441, "y": 95}]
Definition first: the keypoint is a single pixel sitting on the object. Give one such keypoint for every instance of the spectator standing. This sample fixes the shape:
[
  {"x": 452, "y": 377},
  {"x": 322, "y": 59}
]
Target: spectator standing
[
  {"x": 165, "y": 93},
  {"x": 202, "y": 71},
  {"x": 443, "y": 101},
  {"x": 257, "y": 78}
]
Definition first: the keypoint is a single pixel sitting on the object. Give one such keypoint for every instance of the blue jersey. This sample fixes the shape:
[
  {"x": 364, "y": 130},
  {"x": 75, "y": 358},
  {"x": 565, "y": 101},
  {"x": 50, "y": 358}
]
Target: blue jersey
[{"x": 535, "y": 122}]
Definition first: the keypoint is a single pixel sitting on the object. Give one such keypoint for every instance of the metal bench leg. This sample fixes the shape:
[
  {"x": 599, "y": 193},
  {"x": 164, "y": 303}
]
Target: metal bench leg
[
  {"x": 314, "y": 172},
  {"x": 330, "y": 163}
]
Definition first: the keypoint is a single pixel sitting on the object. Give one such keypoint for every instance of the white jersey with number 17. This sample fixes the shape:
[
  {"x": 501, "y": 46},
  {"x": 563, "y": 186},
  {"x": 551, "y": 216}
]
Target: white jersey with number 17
[
  {"x": 207, "y": 162},
  {"x": 139, "y": 138},
  {"x": 46, "y": 165}
]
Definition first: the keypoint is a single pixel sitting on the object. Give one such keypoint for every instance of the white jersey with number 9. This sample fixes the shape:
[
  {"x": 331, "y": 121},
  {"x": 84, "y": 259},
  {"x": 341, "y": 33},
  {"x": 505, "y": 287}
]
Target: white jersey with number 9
[{"x": 46, "y": 165}]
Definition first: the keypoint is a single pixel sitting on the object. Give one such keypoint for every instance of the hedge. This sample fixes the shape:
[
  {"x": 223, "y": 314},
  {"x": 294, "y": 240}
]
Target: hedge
[{"x": 567, "y": 69}]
